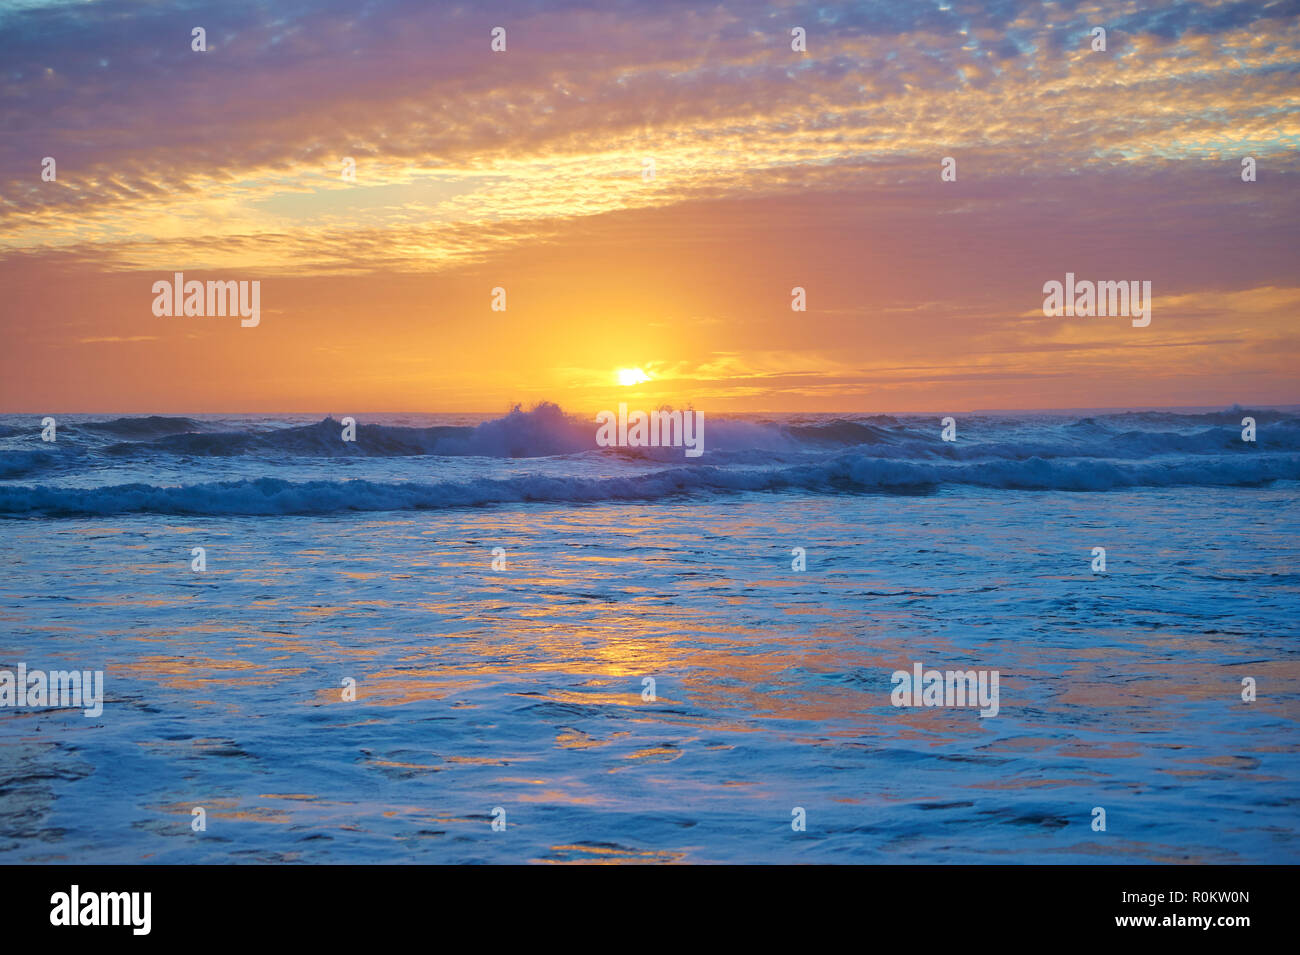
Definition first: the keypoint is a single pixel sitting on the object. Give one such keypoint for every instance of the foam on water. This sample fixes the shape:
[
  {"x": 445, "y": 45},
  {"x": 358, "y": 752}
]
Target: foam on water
[
  {"x": 521, "y": 687},
  {"x": 254, "y": 466}
]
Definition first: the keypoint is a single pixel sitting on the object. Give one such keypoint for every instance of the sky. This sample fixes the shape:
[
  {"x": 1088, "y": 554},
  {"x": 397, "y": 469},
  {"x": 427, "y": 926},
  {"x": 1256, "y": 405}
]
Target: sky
[{"x": 525, "y": 169}]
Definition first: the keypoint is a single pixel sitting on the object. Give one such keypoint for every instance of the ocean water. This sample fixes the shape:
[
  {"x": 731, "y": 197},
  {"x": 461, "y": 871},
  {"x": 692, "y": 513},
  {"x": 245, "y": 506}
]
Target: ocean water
[{"x": 520, "y": 688}]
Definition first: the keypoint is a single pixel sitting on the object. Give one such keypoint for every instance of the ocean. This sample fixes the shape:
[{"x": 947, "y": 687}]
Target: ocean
[{"x": 484, "y": 639}]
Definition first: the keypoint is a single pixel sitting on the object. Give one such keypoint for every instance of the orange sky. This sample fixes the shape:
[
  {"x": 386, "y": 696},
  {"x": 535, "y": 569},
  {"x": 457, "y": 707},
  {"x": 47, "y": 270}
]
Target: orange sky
[{"x": 524, "y": 170}]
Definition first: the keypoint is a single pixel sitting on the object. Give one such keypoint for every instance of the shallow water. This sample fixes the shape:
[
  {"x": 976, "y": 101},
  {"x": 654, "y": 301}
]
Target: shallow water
[{"x": 521, "y": 688}]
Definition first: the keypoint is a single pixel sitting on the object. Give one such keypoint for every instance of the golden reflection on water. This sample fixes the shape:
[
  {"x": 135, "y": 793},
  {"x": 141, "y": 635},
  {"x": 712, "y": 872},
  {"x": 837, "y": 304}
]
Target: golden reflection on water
[
  {"x": 608, "y": 855},
  {"x": 810, "y": 670}
]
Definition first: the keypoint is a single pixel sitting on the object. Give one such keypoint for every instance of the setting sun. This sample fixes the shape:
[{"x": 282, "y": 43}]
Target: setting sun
[{"x": 631, "y": 376}]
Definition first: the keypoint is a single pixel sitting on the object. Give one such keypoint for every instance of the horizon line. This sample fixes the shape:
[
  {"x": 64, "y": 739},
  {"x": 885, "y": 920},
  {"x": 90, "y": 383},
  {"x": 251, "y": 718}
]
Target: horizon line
[{"x": 1097, "y": 409}]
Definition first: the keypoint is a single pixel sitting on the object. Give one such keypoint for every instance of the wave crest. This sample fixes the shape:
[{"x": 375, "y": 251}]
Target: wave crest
[{"x": 846, "y": 474}]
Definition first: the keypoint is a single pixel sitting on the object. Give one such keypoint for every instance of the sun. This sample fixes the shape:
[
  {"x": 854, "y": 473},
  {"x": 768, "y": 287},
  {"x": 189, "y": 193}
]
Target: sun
[{"x": 631, "y": 376}]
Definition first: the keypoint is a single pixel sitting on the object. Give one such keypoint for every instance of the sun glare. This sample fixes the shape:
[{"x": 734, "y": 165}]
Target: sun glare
[{"x": 631, "y": 376}]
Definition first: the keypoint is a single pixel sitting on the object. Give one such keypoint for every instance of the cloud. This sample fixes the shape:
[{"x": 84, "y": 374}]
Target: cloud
[
  {"x": 166, "y": 155},
  {"x": 118, "y": 339}
]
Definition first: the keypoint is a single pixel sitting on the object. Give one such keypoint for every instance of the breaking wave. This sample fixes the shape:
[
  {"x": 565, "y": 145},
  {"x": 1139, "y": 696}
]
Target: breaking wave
[{"x": 844, "y": 474}]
